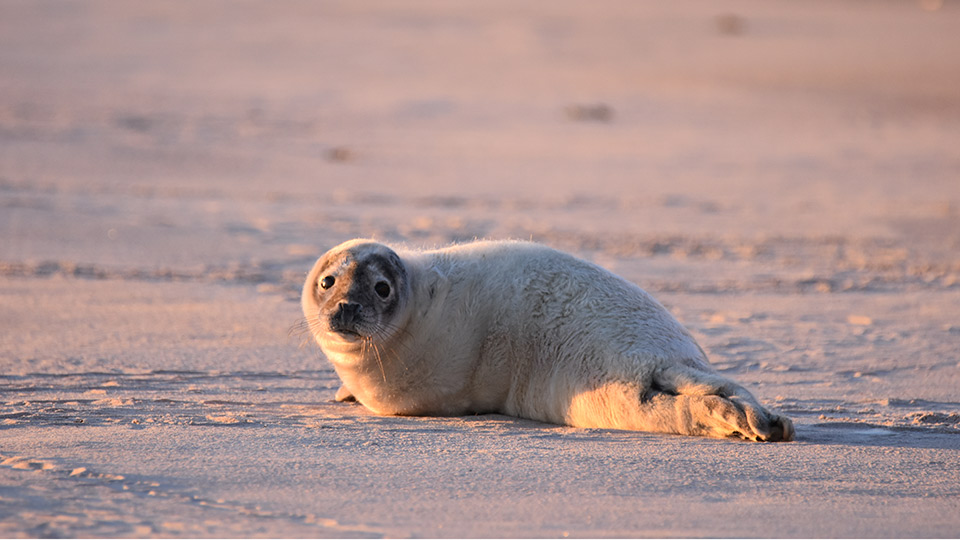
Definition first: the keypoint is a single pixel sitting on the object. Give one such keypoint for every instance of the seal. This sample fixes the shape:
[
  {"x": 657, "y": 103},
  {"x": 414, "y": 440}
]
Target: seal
[{"x": 520, "y": 329}]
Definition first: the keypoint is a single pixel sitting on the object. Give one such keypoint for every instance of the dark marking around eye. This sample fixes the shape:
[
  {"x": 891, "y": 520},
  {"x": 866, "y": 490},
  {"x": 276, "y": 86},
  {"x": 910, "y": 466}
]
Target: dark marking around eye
[
  {"x": 382, "y": 288},
  {"x": 327, "y": 282}
]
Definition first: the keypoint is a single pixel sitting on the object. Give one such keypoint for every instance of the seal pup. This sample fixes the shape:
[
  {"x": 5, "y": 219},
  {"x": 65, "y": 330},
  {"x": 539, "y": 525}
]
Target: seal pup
[{"x": 520, "y": 329}]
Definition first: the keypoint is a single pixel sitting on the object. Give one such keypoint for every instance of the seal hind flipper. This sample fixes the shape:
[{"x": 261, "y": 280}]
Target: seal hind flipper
[{"x": 619, "y": 405}]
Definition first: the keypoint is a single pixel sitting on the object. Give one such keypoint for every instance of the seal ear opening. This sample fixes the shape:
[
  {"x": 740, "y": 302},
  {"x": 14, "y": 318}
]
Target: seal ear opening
[
  {"x": 434, "y": 287},
  {"x": 437, "y": 283}
]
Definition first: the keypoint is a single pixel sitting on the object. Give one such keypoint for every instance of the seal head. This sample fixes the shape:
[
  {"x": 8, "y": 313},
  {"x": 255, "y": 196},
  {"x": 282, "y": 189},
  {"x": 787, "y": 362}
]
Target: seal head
[{"x": 355, "y": 293}]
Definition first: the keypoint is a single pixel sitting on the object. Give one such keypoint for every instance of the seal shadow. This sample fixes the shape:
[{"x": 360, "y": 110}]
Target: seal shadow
[
  {"x": 824, "y": 433},
  {"x": 864, "y": 434}
]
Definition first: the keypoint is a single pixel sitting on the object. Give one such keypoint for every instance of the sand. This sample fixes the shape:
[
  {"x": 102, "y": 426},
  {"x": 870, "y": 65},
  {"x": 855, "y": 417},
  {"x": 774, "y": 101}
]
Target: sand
[{"x": 783, "y": 176}]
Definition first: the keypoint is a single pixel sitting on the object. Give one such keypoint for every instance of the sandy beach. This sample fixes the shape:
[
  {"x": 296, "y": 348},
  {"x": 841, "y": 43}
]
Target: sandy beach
[{"x": 783, "y": 176}]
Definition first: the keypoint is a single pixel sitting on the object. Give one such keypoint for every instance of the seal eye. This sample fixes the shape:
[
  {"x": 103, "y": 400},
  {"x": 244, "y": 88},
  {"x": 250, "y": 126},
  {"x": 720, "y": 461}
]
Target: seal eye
[
  {"x": 382, "y": 288},
  {"x": 327, "y": 282}
]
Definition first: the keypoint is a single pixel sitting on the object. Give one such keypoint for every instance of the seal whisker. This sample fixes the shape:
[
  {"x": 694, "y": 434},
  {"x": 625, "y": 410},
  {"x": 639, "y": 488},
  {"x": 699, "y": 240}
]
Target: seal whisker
[
  {"x": 402, "y": 345},
  {"x": 299, "y": 328},
  {"x": 376, "y": 350},
  {"x": 305, "y": 330}
]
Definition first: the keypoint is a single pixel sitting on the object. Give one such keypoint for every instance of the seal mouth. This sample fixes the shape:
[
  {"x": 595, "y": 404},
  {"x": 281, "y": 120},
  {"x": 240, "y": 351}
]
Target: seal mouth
[
  {"x": 350, "y": 335},
  {"x": 342, "y": 340}
]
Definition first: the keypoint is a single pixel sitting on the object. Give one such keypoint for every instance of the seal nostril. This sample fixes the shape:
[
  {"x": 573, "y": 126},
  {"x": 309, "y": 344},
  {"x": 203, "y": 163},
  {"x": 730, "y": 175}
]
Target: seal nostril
[{"x": 348, "y": 312}]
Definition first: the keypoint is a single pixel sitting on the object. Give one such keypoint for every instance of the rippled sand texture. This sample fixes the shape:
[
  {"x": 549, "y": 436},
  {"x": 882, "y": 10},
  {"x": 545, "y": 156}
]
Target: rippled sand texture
[{"x": 784, "y": 176}]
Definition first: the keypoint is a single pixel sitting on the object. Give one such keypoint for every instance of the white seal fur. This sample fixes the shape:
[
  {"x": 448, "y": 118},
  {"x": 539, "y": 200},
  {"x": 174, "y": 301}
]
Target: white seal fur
[{"x": 519, "y": 329}]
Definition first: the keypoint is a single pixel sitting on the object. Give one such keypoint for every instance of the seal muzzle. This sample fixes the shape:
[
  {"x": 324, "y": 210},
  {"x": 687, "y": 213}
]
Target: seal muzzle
[{"x": 345, "y": 319}]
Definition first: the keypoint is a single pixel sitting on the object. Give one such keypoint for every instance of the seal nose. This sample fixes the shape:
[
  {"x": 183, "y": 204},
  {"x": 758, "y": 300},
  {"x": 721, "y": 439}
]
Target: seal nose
[{"x": 348, "y": 312}]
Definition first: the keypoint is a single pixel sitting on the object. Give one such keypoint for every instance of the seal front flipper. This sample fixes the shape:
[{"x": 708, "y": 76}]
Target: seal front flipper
[{"x": 344, "y": 394}]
